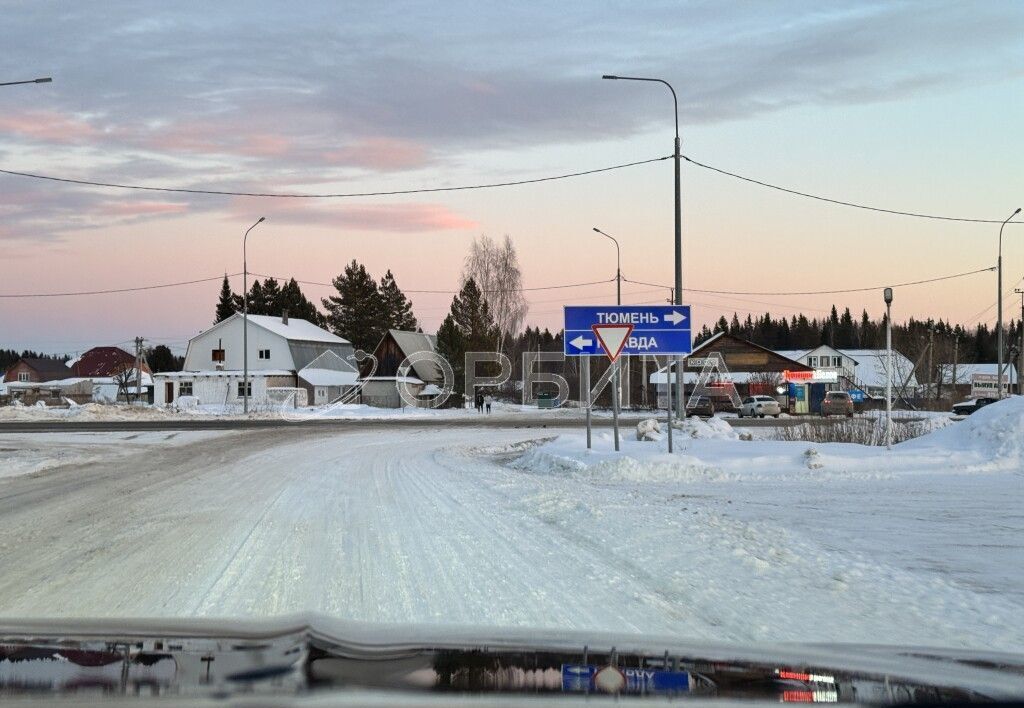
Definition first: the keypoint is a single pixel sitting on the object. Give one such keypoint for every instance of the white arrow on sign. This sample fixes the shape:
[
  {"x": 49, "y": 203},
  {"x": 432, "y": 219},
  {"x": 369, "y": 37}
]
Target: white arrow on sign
[
  {"x": 675, "y": 317},
  {"x": 580, "y": 342}
]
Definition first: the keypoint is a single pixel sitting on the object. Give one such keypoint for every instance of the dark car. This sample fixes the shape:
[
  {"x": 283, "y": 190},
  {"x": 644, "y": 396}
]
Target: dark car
[
  {"x": 837, "y": 403},
  {"x": 969, "y": 406},
  {"x": 701, "y": 406}
]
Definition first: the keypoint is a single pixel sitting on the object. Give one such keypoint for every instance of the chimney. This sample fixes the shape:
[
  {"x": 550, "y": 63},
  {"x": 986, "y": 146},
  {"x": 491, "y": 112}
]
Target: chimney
[{"x": 284, "y": 316}]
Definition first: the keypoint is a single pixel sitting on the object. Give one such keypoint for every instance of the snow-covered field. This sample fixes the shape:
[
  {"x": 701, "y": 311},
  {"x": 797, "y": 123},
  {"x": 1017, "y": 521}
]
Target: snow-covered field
[
  {"x": 727, "y": 539},
  {"x": 122, "y": 412}
]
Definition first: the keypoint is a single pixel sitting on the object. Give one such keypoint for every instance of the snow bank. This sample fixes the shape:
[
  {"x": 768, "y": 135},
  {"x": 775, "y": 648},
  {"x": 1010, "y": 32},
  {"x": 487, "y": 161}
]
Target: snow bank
[
  {"x": 990, "y": 440},
  {"x": 996, "y": 431}
]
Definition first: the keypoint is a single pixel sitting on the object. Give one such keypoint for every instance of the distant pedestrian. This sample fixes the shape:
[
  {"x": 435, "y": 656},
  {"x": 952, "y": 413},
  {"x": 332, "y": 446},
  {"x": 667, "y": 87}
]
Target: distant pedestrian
[
  {"x": 479, "y": 400},
  {"x": 488, "y": 401}
]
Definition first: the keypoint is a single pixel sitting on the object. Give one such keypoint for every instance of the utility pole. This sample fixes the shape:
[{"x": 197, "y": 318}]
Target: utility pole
[
  {"x": 999, "y": 317},
  {"x": 138, "y": 369},
  {"x": 956, "y": 357},
  {"x": 931, "y": 345},
  {"x": 888, "y": 368},
  {"x": 1020, "y": 326}
]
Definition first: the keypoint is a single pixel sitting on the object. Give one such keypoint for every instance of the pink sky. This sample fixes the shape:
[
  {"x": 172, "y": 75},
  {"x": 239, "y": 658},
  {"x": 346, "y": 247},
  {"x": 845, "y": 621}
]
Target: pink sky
[{"x": 923, "y": 115}]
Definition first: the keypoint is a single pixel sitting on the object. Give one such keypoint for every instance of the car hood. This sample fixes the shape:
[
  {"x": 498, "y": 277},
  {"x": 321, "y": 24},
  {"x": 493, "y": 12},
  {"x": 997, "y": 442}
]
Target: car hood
[{"x": 307, "y": 657}]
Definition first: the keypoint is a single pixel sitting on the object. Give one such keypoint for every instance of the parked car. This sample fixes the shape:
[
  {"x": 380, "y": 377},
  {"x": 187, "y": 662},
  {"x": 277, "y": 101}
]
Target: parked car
[
  {"x": 837, "y": 403},
  {"x": 701, "y": 406},
  {"x": 759, "y": 407},
  {"x": 969, "y": 406}
]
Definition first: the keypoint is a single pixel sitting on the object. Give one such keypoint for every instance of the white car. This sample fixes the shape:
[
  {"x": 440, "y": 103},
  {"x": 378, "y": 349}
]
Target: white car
[{"x": 759, "y": 407}]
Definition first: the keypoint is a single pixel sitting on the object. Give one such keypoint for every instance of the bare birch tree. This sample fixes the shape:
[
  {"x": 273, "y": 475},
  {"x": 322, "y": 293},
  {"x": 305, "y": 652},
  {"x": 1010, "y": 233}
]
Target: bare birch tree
[{"x": 495, "y": 268}]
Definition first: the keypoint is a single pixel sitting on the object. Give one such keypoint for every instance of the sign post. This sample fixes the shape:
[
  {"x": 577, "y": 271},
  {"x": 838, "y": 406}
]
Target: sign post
[
  {"x": 626, "y": 330},
  {"x": 585, "y": 375}
]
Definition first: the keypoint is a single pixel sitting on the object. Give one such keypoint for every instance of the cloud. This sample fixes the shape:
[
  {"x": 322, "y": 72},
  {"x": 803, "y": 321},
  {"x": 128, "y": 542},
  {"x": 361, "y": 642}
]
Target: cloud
[
  {"x": 394, "y": 218},
  {"x": 380, "y": 154},
  {"x": 140, "y": 208},
  {"x": 49, "y": 126}
]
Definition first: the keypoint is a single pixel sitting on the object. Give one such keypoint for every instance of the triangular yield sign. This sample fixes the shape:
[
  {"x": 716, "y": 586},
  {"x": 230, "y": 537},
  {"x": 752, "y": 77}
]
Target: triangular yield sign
[{"x": 612, "y": 338}]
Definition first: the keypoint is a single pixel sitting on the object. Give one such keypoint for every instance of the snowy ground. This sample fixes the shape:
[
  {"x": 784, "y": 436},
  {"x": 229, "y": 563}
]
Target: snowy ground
[
  {"x": 726, "y": 539},
  {"x": 121, "y": 412}
]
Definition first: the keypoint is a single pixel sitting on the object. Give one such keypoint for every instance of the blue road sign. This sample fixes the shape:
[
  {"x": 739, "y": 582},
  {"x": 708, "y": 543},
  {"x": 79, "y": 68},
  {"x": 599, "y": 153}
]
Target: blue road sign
[
  {"x": 657, "y": 329},
  {"x": 580, "y": 677}
]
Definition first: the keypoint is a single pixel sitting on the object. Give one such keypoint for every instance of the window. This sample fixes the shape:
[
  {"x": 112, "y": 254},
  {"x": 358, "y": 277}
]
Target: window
[
  {"x": 812, "y": 361},
  {"x": 243, "y": 391},
  {"x": 185, "y": 388},
  {"x": 837, "y": 361},
  {"x": 264, "y": 353},
  {"x": 22, "y": 376},
  {"x": 218, "y": 355}
]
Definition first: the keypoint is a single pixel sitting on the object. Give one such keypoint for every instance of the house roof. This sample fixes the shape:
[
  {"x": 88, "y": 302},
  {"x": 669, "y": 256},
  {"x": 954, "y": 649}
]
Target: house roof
[
  {"x": 103, "y": 361},
  {"x": 295, "y": 330},
  {"x": 707, "y": 342},
  {"x": 965, "y": 371},
  {"x": 413, "y": 342},
  {"x": 870, "y": 369},
  {"x": 793, "y": 354},
  {"x": 328, "y": 377},
  {"x": 46, "y": 366}
]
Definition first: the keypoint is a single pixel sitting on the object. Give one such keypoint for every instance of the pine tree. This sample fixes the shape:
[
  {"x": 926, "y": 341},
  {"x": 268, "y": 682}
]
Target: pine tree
[
  {"x": 468, "y": 327},
  {"x": 396, "y": 307},
  {"x": 226, "y": 302},
  {"x": 292, "y": 299},
  {"x": 355, "y": 312},
  {"x": 161, "y": 358}
]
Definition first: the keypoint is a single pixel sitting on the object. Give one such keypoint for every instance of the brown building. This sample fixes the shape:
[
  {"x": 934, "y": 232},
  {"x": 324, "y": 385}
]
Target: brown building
[
  {"x": 28, "y": 370},
  {"x": 105, "y": 361}
]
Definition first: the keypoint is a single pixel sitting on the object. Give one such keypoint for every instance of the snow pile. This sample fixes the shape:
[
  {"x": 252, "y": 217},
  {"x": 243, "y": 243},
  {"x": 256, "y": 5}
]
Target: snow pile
[
  {"x": 648, "y": 430},
  {"x": 711, "y": 429},
  {"x": 995, "y": 431}
]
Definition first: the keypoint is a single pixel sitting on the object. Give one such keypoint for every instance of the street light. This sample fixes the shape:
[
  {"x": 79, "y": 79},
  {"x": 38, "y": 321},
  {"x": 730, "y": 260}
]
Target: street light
[
  {"x": 679, "y": 225},
  {"x": 618, "y": 266},
  {"x": 887, "y": 295},
  {"x": 44, "y": 80},
  {"x": 245, "y": 319},
  {"x": 999, "y": 324},
  {"x": 616, "y": 383}
]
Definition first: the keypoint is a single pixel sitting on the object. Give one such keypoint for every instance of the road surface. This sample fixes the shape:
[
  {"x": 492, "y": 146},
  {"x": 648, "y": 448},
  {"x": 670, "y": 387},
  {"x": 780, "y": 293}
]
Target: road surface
[{"x": 424, "y": 525}]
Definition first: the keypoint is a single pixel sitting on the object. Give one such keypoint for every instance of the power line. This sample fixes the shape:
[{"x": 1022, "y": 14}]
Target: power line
[
  {"x": 824, "y": 292},
  {"x": 116, "y": 290},
  {"x": 334, "y": 195},
  {"x": 453, "y": 292},
  {"x": 840, "y": 202},
  {"x": 261, "y": 275}
]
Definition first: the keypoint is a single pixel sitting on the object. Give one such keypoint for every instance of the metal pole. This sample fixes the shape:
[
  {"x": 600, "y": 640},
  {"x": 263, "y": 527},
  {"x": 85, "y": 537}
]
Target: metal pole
[
  {"x": 615, "y": 403},
  {"x": 245, "y": 320},
  {"x": 668, "y": 403},
  {"x": 616, "y": 382},
  {"x": 1020, "y": 326},
  {"x": 585, "y": 375},
  {"x": 888, "y": 376},
  {"x": 44, "y": 80},
  {"x": 999, "y": 323},
  {"x": 680, "y": 391}
]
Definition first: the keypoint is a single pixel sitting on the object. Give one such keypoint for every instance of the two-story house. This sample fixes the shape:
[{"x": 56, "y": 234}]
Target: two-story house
[{"x": 279, "y": 349}]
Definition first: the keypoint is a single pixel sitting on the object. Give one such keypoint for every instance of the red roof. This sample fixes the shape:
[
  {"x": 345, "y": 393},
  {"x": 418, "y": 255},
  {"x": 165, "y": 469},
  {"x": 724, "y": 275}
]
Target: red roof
[{"x": 104, "y": 361}]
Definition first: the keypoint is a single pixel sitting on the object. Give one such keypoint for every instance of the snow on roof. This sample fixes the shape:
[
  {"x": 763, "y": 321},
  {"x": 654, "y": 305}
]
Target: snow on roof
[
  {"x": 870, "y": 369},
  {"x": 793, "y": 354},
  {"x": 210, "y": 373},
  {"x": 397, "y": 379},
  {"x": 431, "y": 390},
  {"x": 72, "y": 380},
  {"x": 414, "y": 342},
  {"x": 296, "y": 329},
  {"x": 690, "y": 377},
  {"x": 964, "y": 372},
  {"x": 328, "y": 377}
]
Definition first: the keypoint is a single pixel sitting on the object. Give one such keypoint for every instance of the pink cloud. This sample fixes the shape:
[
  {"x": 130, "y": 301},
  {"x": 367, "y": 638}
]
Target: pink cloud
[
  {"x": 398, "y": 218},
  {"x": 379, "y": 154},
  {"x": 49, "y": 126},
  {"x": 140, "y": 208}
]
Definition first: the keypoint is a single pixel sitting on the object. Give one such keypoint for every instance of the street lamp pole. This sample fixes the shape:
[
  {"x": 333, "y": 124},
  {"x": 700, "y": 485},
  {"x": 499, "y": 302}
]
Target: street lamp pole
[
  {"x": 44, "y": 80},
  {"x": 616, "y": 381},
  {"x": 680, "y": 391},
  {"x": 245, "y": 319},
  {"x": 999, "y": 324}
]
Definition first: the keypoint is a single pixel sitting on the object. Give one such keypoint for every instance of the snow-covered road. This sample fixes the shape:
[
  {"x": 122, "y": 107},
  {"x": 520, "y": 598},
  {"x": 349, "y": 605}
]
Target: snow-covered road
[{"x": 430, "y": 526}]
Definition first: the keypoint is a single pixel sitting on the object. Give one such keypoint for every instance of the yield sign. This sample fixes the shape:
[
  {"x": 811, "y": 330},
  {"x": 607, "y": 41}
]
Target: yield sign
[{"x": 612, "y": 338}]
